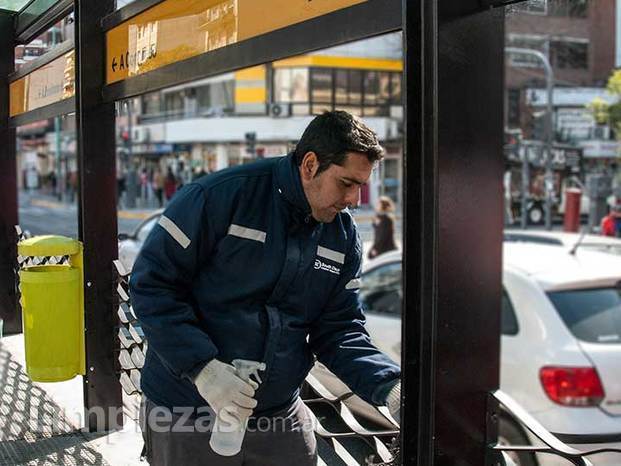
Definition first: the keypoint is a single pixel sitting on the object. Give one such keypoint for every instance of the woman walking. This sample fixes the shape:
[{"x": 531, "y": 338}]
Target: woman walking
[{"x": 383, "y": 228}]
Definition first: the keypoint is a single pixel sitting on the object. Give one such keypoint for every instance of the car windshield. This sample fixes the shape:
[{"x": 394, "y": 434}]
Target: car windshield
[
  {"x": 591, "y": 315},
  {"x": 381, "y": 289}
]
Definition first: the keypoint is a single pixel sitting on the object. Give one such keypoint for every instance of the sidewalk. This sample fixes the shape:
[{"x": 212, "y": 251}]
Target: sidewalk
[{"x": 41, "y": 423}]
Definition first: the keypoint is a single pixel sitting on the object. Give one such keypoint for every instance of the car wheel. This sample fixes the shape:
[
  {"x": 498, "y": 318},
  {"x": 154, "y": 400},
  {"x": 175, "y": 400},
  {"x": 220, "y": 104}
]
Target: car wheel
[
  {"x": 536, "y": 215},
  {"x": 511, "y": 434}
]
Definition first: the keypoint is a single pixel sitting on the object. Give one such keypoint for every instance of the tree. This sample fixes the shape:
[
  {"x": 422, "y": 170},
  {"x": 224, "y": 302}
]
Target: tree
[{"x": 605, "y": 113}]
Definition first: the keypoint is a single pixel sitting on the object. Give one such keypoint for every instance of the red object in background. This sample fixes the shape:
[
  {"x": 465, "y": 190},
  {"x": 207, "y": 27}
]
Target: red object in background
[
  {"x": 364, "y": 194},
  {"x": 572, "y": 209}
]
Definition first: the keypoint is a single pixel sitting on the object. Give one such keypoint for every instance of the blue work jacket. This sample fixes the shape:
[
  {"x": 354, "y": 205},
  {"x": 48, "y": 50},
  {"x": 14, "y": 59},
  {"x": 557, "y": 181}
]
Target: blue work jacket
[{"x": 237, "y": 268}]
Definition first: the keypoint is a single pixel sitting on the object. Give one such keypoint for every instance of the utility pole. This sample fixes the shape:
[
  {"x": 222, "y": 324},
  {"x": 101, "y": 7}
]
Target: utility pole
[{"x": 549, "y": 130}]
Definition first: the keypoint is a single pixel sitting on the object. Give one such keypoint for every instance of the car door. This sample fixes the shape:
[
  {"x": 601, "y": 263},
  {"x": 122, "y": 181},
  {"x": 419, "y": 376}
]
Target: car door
[{"x": 381, "y": 295}]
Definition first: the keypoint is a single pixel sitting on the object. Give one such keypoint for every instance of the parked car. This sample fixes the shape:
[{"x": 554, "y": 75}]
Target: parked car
[
  {"x": 565, "y": 239},
  {"x": 561, "y": 342},
  {"x": 130, "y": 244}
]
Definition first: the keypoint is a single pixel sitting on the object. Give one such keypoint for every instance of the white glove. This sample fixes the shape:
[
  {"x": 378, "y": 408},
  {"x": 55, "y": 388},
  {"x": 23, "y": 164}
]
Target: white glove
[
  {"x": 393, "y": 401},
  {"x": 220, "y": 386}
]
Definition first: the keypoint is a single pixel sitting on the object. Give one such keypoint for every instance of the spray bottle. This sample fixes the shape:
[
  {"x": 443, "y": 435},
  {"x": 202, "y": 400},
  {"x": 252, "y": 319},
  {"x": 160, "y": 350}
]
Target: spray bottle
[{"x": 228, "y": 433}]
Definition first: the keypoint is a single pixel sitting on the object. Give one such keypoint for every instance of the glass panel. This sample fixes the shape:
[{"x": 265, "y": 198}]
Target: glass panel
[
  {"x": 533, "y": 6},
  {"x": 569, "y": 55},
  {"x": 47, "y": 85},
  {"x": 299, "y": 84},
  {"x": 396, "y": 88},
  {"x": 60, "y": 32},
  {"x": 355, "y": 86},
  {"x": 318, "y": 109},
  {"x": 384, "y": 88},
  {"x": 371, "y": 88},
  {"x": 300, "y": 109},
  {"x": 282, "y": 85},
  {"x": 48, "y": 176},
  {"x": 573, "y": 8},
  {"x": 322, "y": 86},
  {"x": 174, "y": 102},
  {"x": 221, "y": 95},
  {"x": 32, "y": 12},
  {"x": 591, "y": 315},
  {"x": 526, "y": 41},
  {"x": 151, "y": 104},
  {"x": 341, "y": 78},
  {"x": 13, "y": 5}
]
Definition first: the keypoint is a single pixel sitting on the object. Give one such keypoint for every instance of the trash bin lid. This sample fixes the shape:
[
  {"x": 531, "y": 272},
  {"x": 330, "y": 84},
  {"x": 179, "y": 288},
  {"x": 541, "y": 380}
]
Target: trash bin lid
[{"x": 48, "y": 245}]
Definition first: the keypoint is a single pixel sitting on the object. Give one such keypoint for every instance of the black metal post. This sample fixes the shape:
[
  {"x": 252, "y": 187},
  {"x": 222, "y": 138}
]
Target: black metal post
[
  {"x": 453, "y": 209},
  {"x": 97, "y": 217},
  {"x": 9, "y": 310}
]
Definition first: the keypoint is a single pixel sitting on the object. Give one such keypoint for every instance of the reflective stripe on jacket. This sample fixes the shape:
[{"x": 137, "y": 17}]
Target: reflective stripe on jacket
[{"x": 238, "y": 268}]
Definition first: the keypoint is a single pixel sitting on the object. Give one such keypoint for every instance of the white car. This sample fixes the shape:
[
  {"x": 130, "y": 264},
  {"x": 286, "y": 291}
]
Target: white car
[
  {"x": 130, "y": 244},
  {"x": 561, "y": 343},
  {"x": 565, "y": 239}
]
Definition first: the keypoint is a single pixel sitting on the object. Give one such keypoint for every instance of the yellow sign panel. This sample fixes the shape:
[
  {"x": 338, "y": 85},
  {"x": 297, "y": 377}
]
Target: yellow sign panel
[
  {"x": 172, "y": 30},
  {"x": 44, "y": 86}
]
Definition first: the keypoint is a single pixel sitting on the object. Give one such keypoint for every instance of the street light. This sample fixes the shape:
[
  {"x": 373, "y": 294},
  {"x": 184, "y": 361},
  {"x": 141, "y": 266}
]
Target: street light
[{"x": 549, "y": 178}]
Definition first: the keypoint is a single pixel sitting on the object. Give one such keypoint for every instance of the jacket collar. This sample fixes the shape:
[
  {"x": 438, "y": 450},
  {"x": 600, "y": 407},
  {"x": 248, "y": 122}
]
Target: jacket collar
[{"x": 289, "y": 184}]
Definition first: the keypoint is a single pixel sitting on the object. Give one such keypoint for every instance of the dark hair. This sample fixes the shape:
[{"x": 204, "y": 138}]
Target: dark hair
[{"x": 332, "y": 135}]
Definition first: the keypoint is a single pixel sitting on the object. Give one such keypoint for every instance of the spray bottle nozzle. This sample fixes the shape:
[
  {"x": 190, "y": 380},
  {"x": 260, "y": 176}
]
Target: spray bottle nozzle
[{"x": 246, "y": 368}]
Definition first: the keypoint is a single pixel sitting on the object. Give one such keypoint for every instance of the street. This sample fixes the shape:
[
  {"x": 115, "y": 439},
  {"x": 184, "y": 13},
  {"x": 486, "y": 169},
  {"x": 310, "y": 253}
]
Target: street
[{"x": 41, "y": 214}]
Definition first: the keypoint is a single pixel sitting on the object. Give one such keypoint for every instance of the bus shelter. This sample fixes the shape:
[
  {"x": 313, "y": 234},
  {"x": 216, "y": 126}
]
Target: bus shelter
[{"x": 453, "y": 165}]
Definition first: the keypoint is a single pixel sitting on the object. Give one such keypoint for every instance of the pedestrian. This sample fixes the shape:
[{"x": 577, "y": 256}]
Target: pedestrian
[
  {"x": 383, "y": 228},
  {"x": 144, "y": 181},
  {"x": 259, "y": 262},
  {"x": 170, "y": 184},
  {"x": 158, "y": 186},
  {"x": 611, "y": 223}
]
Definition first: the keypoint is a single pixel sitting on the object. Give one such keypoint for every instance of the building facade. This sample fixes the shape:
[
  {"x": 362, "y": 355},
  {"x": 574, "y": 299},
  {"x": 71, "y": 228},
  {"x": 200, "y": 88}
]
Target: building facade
[{"x": 261, "y": 111}]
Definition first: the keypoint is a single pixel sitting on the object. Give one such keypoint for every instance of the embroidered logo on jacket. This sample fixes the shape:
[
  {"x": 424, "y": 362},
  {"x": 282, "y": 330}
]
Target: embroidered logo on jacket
[{"x": 319, "y": 265}]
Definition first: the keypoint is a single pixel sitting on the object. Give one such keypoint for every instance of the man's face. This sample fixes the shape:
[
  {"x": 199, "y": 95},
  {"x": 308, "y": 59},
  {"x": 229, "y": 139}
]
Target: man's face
[{"x": 335, "y": 188}]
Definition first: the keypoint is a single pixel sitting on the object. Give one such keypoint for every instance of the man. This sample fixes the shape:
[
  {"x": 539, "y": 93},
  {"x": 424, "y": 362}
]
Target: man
[
  {"x": 260, "y": 262},
  {"x": 611, "y": 223}
]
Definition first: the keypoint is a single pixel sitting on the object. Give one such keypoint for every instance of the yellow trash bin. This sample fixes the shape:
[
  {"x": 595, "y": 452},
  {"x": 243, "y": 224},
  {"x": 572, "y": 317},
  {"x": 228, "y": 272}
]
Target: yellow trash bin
[{"x": 52, "y": 306}]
